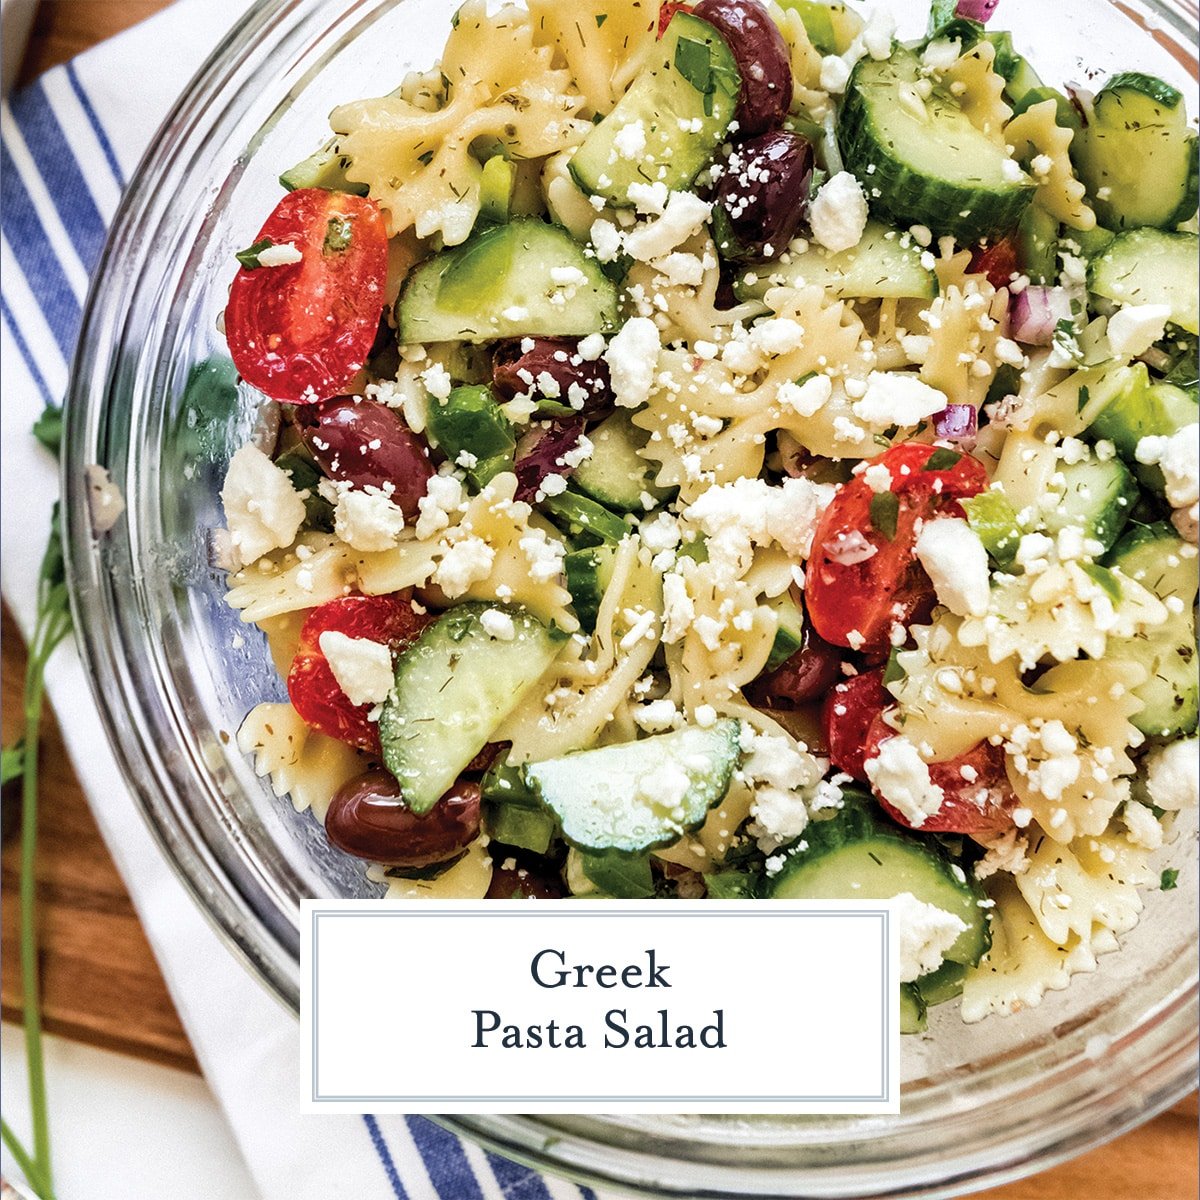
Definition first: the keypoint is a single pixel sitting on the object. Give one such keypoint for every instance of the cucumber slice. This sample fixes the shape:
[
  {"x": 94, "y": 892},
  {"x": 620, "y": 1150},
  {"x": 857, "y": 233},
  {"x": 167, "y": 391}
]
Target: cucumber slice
[
  {"x": 498, "y": 284},
  {"x": 1037, "y": 245},
  {"x": 830, "y": 26},
  {"x": 622, "y": 876},
  {"x": 616, "y": 475},
  {"x": 924, "y": 160},
  {"x": 912, "y": 1009},
  {"x": 1020, "y": 79},
  {"x": 1097, "y": 498},
  {"x": 1142, "y": 409},
  {"x": 325, "y": 169},
  {"x": 1148, "y": 266},
  {"x": 584, "y": 521},
  {"x": 638, "y": 796},
  {"x": 469, "y": 421},
  {"x": 943, "y": 984},
  {"x": 589, "y": 572},
  {"x": 854, "y": 855},
  {"x": 789, "y": 637},
  {"x": 496, "y": 190},
  {"x": 994, "y": 520},
  {"x": 1157, "y": 557},
  {"x": 1136, "y": 156},
  {"x": 505, "y": 784},
  {"x": 1065, "y": 115},
  {"x": 454, "y": 686},
  {"x": 879, "y": 266},
  {"x": 683, "y": 101}
]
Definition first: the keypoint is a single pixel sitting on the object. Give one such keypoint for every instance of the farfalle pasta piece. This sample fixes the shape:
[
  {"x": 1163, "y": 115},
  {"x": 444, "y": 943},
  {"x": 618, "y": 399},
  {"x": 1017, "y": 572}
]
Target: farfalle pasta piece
[
  {"x": 301, "y": 763},
  {"x": 979, "y": 90},
  {"x": 500, "y": 85},
  {"x": 1044, "y": 146},
  {"x": 1090, "y": 885},
  {"x": 602, "y": 44},
  {"x": 1023, "y": 964}
]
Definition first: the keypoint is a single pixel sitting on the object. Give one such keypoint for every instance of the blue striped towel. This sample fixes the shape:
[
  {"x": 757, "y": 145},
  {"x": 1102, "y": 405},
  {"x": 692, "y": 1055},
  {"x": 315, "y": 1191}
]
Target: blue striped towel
[{"x": 69, "y": 143}]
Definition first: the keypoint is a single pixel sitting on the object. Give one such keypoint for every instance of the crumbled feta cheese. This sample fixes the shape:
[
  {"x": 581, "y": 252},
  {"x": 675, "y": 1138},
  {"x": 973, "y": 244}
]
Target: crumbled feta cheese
[
  {"x": 362, "y": 668},
  {"x": 632, "y": 358},
  {"x": 279, "y": 255},
  {"x": 807, "y": 397},
  {"x": 838, "y": 213},
  {"x": 901, "y": 776},
  {"x": 630, "y": 141},
  {"x": 366, "y": 519},
  {"x": 660, "y": 534},
  {"x": 684, "y": 215},
  {"x": 1178, "y": 456},
  {"x": 895, "y": 398},
  {"x": 1133, "y": 329},
  {"x": 706, "y": 716},
  {"x": 1173, "y": 775},
  {"x": 1005, "y": 852},
  {"x": 607, "y": 239},
  {"x": 655, "y": 716},
  {"x": 679, "y": 611},
  {"x": 746, "y": 513},
  {"x": 835, "y": 74},
  {"x": 497, "y": 624},
  {"x": 926, "y": 933},
  {"x": 465, "y": 562},
  {"x": 544, "y": 555},
  {"x": 444, "y": 497},
  {"x": 263, "y": 511},
  {"x": 666, "y": 785},
  {"x": 591, "y": 347},
  {"x": 1143, "y": 826},
  {"x": 437, "y": 381},
  {"x": 878, "y": 478},
  {"x": 956, "y": 561},
  {"x": 648, "y": 199},
  {"x": 777, "y": 335},
  {"x": 941, "y": 53}
]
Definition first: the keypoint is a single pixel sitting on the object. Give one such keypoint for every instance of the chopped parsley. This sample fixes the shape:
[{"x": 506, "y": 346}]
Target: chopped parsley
[
  {"x": 942, "y": 459},
  {"x": 249, "y": 257},
  {"x": 1169, "y": 879},
  {"x": 885, "y": 512}
]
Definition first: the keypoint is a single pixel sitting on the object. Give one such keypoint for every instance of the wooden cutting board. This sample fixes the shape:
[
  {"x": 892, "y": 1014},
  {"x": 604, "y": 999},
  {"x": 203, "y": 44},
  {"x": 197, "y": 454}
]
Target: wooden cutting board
[{"x": 100, "y": 981}]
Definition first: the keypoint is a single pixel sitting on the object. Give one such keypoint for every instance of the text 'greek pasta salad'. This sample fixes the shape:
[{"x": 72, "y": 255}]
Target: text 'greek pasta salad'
[{"x": 723, "y": 450}]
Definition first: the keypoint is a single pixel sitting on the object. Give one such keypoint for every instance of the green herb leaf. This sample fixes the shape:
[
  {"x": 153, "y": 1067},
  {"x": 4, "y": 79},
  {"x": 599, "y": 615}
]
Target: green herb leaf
[
  {"x": 624, "y": 876},
  {"x": 893, "y": 672},
  {"x": 729, "y": 885},
  {"x": 1084, "y": 396},
  {"x": 942, "y": 459},
  {"x": 693, "y": 61},
  {"x": 48, "y": 428},
  {"x": 249, "y": 257},
  {"x": 12, "y": 762},
  {"x": 600, "y": 19},
  {"x": 1169, "y": 879},
  {"x": 885, "y": 512}
]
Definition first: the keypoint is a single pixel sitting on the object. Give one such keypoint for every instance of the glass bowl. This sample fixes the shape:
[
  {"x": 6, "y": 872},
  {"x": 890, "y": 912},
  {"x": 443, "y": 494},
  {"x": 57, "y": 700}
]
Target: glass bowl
[{"x": 174, "y": 672}]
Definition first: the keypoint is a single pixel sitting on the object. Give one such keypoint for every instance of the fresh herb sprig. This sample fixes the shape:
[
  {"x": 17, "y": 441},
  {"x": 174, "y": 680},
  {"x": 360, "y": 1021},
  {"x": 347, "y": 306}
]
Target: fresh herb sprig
[{"x": 52, "y": 627}]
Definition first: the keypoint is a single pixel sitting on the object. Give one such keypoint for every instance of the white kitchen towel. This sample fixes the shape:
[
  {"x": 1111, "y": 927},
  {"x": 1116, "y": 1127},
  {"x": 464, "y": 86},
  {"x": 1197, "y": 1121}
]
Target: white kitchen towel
[{"x": 69, "y": 143}]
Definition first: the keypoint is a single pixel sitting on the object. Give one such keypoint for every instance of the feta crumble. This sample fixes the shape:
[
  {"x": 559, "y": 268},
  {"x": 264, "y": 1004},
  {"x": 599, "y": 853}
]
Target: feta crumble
[
  {"x": 956, "y": 561},
  {"x": 362, "y": 668},
  {"x": 901, "y": 776},
  {"x": 838, "y": 213},
  {"x": 263, "y": 511}
]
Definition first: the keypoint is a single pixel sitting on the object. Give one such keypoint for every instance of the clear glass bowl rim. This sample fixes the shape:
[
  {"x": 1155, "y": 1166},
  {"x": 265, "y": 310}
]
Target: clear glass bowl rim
[{"x": 1073, "y": 1107}]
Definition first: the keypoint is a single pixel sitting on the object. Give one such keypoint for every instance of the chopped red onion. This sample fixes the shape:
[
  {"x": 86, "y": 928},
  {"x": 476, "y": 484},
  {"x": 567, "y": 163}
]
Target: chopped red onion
[
  {"x": 1034, "y": 313},
  {"x": 976, "y": 10},
  {"x": 956, "y": 422}
]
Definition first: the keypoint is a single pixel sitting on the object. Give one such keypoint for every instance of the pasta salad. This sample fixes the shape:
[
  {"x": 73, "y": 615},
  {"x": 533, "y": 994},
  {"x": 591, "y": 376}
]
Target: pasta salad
[{"x": 722, "y": 450}]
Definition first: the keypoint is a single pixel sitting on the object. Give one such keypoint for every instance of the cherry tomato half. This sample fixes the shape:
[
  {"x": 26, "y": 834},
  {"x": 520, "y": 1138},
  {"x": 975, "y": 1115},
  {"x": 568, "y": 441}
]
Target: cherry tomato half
[
  {"x": 978, "y": 798},
  {"x": 998, "y": 262},
  {"x": 863, "y": 576},
  {"x": 300, "y": 331},
  {"x": 314, "y": 691},
  {"x": 847, "y": 716}
]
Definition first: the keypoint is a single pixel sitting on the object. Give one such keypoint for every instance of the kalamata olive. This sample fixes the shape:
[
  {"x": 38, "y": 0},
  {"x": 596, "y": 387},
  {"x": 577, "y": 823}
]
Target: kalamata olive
[
  {"x": 554, "y": 369},
  {"x": 525, "y": 878},
  {"x": 763, "y": 194},
  {"x": 762, "y": 59},
  {"x": 809, "y": 674},
  {"x": 546, "y": 455},
  {"x": 368, "y": 818},
  {"x": 366, "y": 444}
]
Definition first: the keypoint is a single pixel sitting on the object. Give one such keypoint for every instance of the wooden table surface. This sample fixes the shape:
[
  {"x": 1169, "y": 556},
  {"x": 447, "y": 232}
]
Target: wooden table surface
[{"x": 100, "y": 981}]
